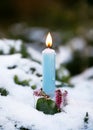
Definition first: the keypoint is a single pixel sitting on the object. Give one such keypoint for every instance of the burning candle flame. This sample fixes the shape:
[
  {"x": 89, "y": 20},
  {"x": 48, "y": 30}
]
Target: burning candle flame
[{"x": 49, "y": 40}]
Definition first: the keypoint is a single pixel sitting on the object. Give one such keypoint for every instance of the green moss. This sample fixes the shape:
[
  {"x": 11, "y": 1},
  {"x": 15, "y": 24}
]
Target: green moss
[
  {"x": 3, "y": 92},
  {"x": 32, "y": 70},
  {"x": 12, "y": 50},
  {"x": 1, "y": 52},
  {"x": 33, "y": 87},
  {"x": 65, "y": 79},
  {"x": 63, "y": 84},
  {"x": 23, "y": 83},
  {"x": 86, "y": 118},
  {"x": 12, "y": 67},
  {"x": 23, "y": 51},
  {"x": 23, "y": 128},
  {"x": 16, "y": 79},
  {"x": 61, "y": 76}
]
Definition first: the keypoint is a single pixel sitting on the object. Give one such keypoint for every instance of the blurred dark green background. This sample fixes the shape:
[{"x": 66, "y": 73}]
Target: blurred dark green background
[
  {"x": 69, "y": 21},
  {"x": 48, "y": 13}
]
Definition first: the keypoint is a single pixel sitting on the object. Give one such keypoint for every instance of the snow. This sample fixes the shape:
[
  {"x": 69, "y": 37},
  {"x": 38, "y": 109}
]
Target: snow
[
  {"x": 77, "y": 44},
  {"x": 64, "y": 55},
  {"x": 35, "y": 54},
  {"x": 86, "y": 76},
  {"x": 18, "y": 107},
  {"x": 6, "y": 44},
  {"x": 48, "y": 50}
]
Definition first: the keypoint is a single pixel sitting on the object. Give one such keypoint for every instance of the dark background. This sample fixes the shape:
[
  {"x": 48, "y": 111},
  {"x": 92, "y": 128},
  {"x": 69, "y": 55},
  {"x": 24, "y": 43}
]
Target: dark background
[{"x": 48, "y": 13}]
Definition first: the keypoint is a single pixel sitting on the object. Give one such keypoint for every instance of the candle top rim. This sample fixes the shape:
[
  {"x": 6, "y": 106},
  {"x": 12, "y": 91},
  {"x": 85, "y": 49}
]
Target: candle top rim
[{"x": 48, "y": 50}]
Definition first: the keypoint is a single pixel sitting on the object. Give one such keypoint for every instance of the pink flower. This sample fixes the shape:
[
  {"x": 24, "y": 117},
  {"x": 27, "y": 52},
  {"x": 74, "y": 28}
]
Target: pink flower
[
  {"x": 58, "y": 98},
  {"x": 40, "y": 92},
  {"x": 37, "y": 92}
]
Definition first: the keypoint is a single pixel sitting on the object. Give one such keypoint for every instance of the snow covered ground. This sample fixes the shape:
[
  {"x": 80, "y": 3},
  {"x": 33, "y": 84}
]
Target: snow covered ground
[{"x": 17, "y": 108}]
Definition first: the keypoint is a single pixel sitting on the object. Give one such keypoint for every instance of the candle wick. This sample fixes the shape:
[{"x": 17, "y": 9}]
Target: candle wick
[{"x": 49, "y": 46}]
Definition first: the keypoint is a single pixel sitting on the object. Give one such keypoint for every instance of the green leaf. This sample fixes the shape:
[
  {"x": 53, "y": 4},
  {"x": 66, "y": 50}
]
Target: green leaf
[
  {"x": 23, "y": 83},
  {"x": 86, "y": 118},
  {"x": 48, "y": 106},
  {"x": 12, "y": 50},
  {"x": 3, "y": 92},
  {"x": 62, "y": 74},
  {"x": 23, "y": 128},
  {"x": 24, "y": 52},
  {"x": 1, "y": 52},
  {"x": 33, "y": 87},
  {"x": 16, "y": 80}
]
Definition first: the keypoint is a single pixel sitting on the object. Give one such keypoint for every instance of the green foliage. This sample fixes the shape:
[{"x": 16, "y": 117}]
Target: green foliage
[
  {"x": 86, "y": 118},
  {"x": 61, "y": 13},
  {"x": 48, "y": 106},
  {"x": 16, "y": 79},
  {"x": 33, "y": 87},
  {"x": 39, "y": 75},
  {"x": 78, "y": 64},
  {"x": 65, "y": 79},
  {"x": 1, "y": 52},
  {"x": 24, "y": 52},
  {"x": 32, "y": 70},
  {"x": 3, "y": 92},
  {"x": 23, "y": 83},
  {"x": 23, "y": 128},
  {"x": 63, "y": 84},
  {"x": 90, "y": 61},
  {"x": 1, "y": 127},
  {"x": 12, "y": 67},
  {"x": 12, "y": 50},
  {"x": 61, "y": 76}
]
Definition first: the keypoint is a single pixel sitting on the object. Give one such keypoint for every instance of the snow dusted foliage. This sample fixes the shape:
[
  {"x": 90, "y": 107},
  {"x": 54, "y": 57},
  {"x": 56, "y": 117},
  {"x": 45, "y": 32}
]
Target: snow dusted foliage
[
  {"x": 6, "y": 45},
  {"x": 64, "y": 55},
  {"x": 17, "y": 106}
]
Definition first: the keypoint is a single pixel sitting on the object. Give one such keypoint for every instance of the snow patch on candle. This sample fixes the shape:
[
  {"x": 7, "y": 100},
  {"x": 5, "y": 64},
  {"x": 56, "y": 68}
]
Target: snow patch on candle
[{"x": 48, "y": 50}]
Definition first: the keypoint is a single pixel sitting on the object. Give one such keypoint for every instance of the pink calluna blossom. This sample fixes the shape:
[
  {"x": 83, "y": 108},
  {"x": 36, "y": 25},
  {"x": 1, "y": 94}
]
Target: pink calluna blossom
[
  {"x": 58, "y": 98},
  {"x": 37, "y": 92},
  {"x": 40, "y": 92}
]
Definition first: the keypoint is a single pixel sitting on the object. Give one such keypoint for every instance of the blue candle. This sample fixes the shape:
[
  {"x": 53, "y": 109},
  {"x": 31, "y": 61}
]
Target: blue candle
[{"x": 49, "y": 68}]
